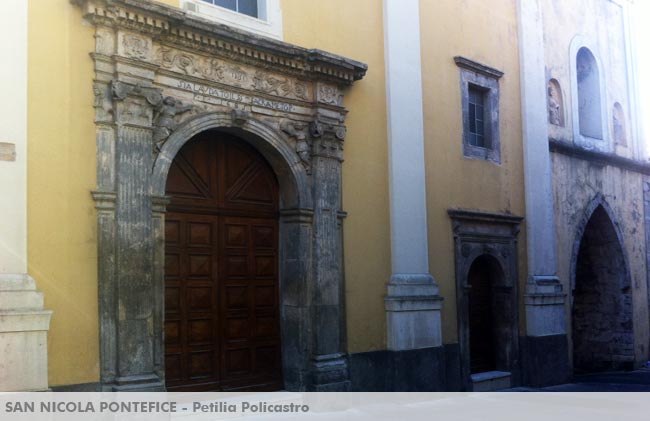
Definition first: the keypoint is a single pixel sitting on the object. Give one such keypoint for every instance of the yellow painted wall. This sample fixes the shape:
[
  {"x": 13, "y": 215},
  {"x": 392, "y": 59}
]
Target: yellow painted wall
[
  {"x": 485, "y": 32},
  {"x": 62, "y": 248},
  {"x": 355, "y": 29},
  {"x": 61, "y": 168}
]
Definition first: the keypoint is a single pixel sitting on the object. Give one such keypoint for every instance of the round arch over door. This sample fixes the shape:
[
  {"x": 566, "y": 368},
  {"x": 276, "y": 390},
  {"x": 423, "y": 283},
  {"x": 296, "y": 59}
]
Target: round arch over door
[{"x": 222, "y": 313}]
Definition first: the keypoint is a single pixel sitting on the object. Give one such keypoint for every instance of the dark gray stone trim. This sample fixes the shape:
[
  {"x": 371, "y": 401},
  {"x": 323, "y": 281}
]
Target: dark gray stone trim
[
  {"x": 476, "y": 234},
  {"x": 453, "y": 379},
  {"x": 418, "y": 370},
  {"x": 545, "y": 360},
  {"x": 487, "y": 79},
  {"x": 646, "y": 226},
  {"x": 598, "y": 157},
  {"x": 477, "y": 67},
  {"x": 82, "y": 387}
]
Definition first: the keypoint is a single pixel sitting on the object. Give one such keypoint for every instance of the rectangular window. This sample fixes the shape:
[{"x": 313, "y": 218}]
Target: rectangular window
[
  {"x": 477, "y": 117},
  {"x": 480, "y": 106},
  {"x": 246, "y": 7}
]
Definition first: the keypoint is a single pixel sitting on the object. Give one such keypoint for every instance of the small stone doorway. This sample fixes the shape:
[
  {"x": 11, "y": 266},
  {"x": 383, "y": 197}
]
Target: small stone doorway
[
  {"x": 486, "y": 298},
  {"x": 602, "y": 328},
  {"x": 222, "y": 313}
]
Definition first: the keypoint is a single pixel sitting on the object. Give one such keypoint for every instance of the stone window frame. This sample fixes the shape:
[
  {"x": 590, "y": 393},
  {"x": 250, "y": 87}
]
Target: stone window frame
[
  {"x": 268, "y": 22},
  {"x": 485, "y": 78}
]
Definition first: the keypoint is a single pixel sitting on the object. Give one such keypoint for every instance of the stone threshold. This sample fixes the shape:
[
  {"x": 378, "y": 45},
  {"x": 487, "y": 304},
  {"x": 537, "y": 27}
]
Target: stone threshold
[{"x": 491, "y": 381}]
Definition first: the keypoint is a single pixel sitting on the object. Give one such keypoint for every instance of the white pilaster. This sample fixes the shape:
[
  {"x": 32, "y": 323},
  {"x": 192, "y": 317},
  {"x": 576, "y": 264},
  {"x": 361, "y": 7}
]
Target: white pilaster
[
  {"x": 23, "y": 322},
  {"x": 544, "y": 296},
  {"x": 13, "y": 137},
  {"x": 412, "y": 303}
]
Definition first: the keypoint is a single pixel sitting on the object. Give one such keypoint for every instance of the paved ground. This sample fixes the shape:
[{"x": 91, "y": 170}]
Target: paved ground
[{"x": 629, "y": 381}]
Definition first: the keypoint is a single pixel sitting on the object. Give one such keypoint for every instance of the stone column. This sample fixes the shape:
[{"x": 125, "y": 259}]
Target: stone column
[
  {"x": 412, "y": 303},
  {"x": 546, "y": 348},
  {"x": 128, "y": 325},
  {"x": 329, "y": 362}
]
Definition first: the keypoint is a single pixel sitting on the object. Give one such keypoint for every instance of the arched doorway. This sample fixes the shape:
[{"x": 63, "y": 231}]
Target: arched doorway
[
  {"x": 488, "y": 323},
  {"x": 222, "y": 312},
  {"x": 602, "y": 301}
]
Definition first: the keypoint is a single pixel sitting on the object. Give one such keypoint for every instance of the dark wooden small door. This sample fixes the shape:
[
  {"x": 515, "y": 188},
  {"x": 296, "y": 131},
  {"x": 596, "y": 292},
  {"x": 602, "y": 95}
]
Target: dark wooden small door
[
  {"x": 222, "y": 316},
  {"x": 482, "y": 344}
]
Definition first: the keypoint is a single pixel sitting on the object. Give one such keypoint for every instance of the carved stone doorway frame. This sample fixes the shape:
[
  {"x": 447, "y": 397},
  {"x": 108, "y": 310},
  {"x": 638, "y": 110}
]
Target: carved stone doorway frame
[
  {"x": 479, "y": 234},
  {"x": 162, "y": 77}
]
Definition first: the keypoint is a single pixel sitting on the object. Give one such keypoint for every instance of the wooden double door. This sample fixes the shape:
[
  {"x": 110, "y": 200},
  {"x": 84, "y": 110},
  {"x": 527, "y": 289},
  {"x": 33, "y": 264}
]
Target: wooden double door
[{"x": 222, "y": 314}]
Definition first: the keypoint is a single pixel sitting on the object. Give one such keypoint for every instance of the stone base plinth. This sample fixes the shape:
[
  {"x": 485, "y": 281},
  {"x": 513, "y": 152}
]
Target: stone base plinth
[
  {"x": 413, "y": 312},
  {"x": 23, "y": 335}
]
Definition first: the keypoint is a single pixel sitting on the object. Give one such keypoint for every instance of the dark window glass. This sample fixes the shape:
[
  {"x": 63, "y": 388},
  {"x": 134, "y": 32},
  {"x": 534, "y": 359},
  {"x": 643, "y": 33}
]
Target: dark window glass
[
  {"x": 248, "y": 7},
  {"x": 228, "y": 4},
  {"x": 476, "y": 117}
]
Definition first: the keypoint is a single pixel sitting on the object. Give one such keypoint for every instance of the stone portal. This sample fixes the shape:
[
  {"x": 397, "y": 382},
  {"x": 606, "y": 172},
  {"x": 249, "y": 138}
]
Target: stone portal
[{"x": 163, "y": 77}]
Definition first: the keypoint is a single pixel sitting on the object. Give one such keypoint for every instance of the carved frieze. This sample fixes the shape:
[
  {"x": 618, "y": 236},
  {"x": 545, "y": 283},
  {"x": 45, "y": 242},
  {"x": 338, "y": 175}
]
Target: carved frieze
[
  {"x": 135, "y": 46},
  {"x": 236, "y": 75},
  {"x": 329, "y": 94},
  {"x": 173, "y": 27}
]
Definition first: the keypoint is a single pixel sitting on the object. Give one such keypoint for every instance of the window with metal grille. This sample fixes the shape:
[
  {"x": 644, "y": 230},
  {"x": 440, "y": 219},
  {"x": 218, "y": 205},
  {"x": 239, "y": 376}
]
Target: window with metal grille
[
  {"x": 246, "y": 7},
  {"x": 477, "y": 117},
  {"x": 479, "y": 86}
]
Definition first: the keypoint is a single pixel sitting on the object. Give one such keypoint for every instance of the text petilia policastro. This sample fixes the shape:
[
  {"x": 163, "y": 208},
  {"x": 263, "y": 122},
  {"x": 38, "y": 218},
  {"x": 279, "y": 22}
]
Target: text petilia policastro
[{"x": 130, "y": 407}]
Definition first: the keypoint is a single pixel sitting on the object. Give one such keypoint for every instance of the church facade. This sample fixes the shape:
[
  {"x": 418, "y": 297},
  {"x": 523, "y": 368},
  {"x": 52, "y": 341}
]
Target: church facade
[{"x": 335, "y": 196}]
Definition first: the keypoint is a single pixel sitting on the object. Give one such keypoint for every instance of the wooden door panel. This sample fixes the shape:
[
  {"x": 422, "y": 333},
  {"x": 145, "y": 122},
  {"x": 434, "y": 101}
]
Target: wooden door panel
[{"x": 222, "y": 328}]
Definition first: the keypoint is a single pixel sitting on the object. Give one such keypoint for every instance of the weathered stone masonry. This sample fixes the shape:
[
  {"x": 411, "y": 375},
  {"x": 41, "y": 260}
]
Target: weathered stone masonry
[{"x": 162, "y": 77}]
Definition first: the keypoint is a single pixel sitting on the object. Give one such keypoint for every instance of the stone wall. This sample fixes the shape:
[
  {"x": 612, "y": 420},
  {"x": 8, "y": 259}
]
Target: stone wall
[
  {"x": 579, "y": 187},
  {"x": 602, "y": 303}
]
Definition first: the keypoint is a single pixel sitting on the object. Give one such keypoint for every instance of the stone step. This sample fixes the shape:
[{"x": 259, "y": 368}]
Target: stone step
[
  {"x": 491, "y": 381},
  {"x": 17, "y": 282},
  {"x": 19, "y": 300}
]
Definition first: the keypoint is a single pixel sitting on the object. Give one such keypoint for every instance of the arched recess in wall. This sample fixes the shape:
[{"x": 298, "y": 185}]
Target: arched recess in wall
[
  {"x": 588, "y": 95},
  {"x": 555, "y": 103},
  {"x": 619, "y": 132},
  {"x": 589, "y": 100}
]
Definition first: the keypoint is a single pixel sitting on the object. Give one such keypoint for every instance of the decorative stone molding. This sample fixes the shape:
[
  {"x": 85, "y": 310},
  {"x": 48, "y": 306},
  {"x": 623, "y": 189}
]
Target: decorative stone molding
[
  {"x": 477, "y": 67},
  {"x": 173, "y": 26},
  {"x": 162, "y": 77},
  {"x": 480, "y": 234}
]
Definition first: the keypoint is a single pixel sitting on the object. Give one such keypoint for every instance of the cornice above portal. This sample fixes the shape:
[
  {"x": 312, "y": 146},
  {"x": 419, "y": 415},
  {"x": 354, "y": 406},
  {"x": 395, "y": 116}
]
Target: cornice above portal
[{"x": 175, "y": 28}]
